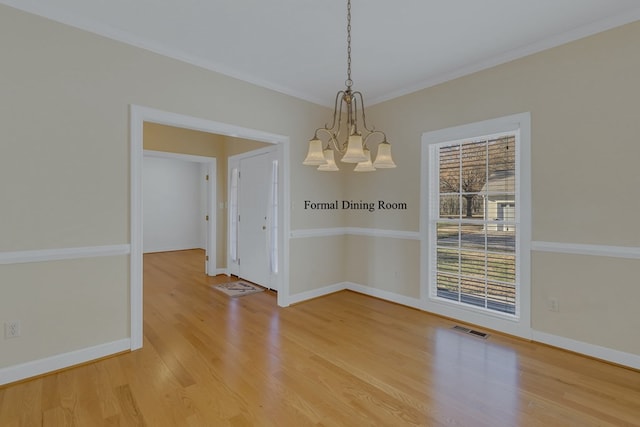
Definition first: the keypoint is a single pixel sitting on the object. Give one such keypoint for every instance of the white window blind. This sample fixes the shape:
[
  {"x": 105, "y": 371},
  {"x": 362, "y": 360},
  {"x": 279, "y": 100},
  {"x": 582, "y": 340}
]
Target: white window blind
[{"x": 474, "y": 222}]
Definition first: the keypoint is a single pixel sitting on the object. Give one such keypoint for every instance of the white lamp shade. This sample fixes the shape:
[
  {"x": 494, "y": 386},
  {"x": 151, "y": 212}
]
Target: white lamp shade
[
  {"x": 365, "y": 166},
  {"x": 315, "y": 156},
  {"x": 331, "y": 163},
  {"x": 355, "y": 153},
  {"x": 383, "y": 159}
]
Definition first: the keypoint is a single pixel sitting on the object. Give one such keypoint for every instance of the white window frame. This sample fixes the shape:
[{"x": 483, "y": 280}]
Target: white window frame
[{"x": 520, "y": 324}]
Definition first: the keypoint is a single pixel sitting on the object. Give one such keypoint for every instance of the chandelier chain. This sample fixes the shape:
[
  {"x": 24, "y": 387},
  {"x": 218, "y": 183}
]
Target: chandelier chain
[{"x": 349, "y": 82}]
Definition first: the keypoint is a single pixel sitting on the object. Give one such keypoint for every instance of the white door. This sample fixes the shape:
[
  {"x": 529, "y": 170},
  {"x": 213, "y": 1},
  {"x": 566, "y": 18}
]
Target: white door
[{"x": 253, "y": 225}]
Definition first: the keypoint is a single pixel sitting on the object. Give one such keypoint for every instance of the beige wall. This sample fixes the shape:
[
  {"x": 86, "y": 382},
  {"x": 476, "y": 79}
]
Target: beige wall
[
  {"x": 173, "y": 139},
  {"x": 318, "y": 259},
  {"x": 583, "y": 99},
  {"x": 597, "y": 296},
  {"x": 63, "y": 306},
  {"x": 235, "y": 146},
  {"x": 64, "y": 169},
  {"x": 388, "y": 264}
]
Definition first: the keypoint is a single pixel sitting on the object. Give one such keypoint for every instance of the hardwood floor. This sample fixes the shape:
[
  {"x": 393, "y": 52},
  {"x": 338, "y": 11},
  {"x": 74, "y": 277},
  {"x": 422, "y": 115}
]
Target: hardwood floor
[{"x": 341, "y": 360}]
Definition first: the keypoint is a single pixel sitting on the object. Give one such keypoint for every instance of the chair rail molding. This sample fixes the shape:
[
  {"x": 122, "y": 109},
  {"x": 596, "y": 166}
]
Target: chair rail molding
[{"x": 57, "y": 254}]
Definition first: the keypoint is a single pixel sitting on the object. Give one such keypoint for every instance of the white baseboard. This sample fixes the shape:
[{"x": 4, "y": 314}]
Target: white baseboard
[
  {"x": 316, "y": 293},
  {"x": 385, "y": 295},
  {"x": 361, "y": 289},
  {"x": 61, "y": 361},
  {"x": 602, "y": 353},
  {"x": 219, "y": 271},
  {"x": 172, "y": 248}
]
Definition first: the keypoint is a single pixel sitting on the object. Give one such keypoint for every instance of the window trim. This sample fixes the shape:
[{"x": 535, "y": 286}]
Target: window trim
[{"x": 519, "y": 325}]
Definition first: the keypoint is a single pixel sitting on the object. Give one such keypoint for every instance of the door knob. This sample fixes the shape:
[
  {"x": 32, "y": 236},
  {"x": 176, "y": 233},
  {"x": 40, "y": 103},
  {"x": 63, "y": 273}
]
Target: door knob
[{"x": 264, "y": 227}]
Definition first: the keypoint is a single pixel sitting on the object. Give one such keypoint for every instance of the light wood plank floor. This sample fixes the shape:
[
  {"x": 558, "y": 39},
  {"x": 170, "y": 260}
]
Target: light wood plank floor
[{"x": 341, "y": 360}]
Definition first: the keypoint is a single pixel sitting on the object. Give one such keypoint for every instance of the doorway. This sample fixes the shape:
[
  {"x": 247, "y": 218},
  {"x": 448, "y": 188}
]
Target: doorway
[
  {"x": 139, "y": 115},
  {"x": 180, "y": 204}
]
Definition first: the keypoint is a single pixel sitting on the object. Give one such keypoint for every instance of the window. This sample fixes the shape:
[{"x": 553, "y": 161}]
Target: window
[{"x": 474, "y": 225}]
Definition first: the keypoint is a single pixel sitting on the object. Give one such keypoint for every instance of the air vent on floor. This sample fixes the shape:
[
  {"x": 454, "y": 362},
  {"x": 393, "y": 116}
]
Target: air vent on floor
[{"x": 471, "y": 332}]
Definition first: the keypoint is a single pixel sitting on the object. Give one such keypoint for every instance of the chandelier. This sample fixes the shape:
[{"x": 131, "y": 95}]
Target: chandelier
[{"x": 353, "y": 147}]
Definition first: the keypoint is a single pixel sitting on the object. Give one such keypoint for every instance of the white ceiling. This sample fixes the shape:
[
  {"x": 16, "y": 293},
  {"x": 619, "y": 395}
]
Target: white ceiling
[{"x": 298, "y": 47}]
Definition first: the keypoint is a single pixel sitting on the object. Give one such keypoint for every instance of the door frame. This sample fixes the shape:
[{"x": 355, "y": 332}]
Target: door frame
[
  {"x": 140, "y": 114},
  {"x": 211, "y": 165}
]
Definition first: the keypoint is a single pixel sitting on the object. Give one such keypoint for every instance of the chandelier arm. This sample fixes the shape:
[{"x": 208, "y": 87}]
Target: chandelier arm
[
  {"x": 364, "y": 117},
  {"x": 374, "y": 132},
  {"x": 332, "y": 140},
  {"x": 337, "y": 111},
  {"x": 333, "y": 132},
  {"x": 336, "y": 145}
]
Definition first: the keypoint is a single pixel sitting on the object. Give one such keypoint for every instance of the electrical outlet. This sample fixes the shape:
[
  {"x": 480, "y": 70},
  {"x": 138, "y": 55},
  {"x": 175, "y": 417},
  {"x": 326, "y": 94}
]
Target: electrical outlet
[
  {"x": 12, "y": 329},
  {"x": 553, "y": 304}
]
